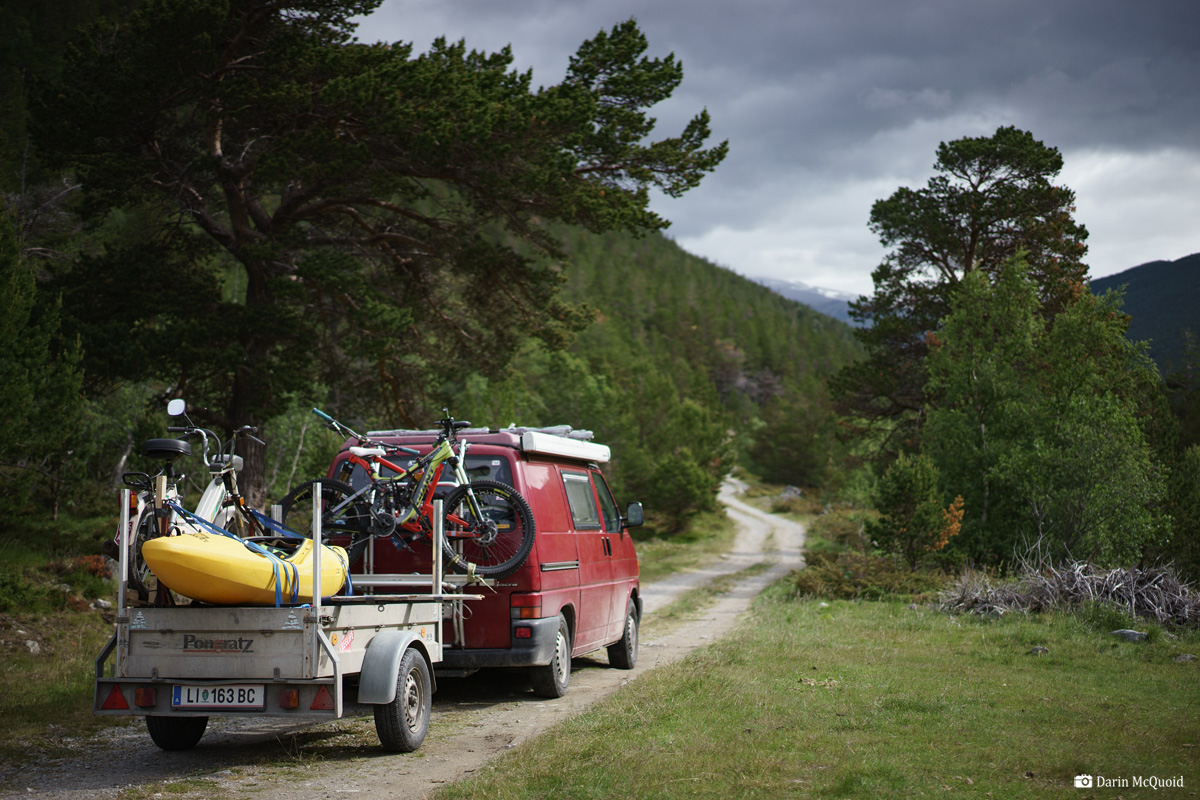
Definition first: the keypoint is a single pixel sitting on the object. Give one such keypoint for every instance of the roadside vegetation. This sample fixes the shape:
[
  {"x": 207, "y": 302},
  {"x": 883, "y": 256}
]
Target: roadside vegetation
[
  {"x": 859, "y": 677},
  {"x": 874, "y": 699}
]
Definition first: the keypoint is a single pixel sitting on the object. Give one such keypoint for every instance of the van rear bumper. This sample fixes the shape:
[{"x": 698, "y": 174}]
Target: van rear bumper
[{"x": 535, "y": 651}]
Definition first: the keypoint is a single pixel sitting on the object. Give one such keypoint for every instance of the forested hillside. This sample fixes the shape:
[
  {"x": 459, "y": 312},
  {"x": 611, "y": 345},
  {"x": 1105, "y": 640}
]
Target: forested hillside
[
  {"x": 157, "y": 252},
  {"x": 1160, "y": 299},
  {"x": 685, "y": 367}
]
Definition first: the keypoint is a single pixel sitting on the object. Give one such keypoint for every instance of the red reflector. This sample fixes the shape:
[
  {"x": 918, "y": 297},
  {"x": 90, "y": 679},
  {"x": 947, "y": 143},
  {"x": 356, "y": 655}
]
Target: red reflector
[
  {"x": 522, "y": 632},
  {"x": 323, "y": 701},
  {"x": 115, "y": 699},
  {"x": 289, "y": 698},
  {"x": 143, "y": 698}
]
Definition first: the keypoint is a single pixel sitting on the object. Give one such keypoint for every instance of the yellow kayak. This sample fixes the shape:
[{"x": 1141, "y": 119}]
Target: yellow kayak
[{"x": 224, "y": 571}]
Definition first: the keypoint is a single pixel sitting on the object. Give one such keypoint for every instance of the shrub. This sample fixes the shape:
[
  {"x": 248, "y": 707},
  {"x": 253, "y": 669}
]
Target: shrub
[
  {"x": 912, "y": 520},
  {"x": 852, "y": 576}
]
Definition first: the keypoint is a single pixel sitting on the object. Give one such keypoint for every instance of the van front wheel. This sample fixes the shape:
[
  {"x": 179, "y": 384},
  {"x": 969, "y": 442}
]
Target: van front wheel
[{"x": 552, "y": 679}]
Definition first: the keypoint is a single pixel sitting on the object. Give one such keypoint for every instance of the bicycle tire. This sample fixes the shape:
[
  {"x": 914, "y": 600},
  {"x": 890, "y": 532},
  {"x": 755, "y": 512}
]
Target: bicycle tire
[
  {"x": 349, "y": 528},
  {"x": 145, "y": 529},
  {"x": 495, "y": 546}
]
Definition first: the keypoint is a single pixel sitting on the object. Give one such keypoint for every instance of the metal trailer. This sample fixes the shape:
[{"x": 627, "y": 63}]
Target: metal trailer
[{"x": 178, "y": 666}]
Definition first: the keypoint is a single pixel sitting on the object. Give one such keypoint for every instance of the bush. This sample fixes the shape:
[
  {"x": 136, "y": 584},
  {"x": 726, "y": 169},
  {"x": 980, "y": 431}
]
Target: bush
[
  {"x": 19, "y": 593},
  {"x": 838, "y": 531},
  {"x": 853, "y": 576}
]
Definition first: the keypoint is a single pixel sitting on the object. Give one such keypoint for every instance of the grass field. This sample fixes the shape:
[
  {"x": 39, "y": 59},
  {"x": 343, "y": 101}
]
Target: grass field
[{"x": 876, "y": 700}]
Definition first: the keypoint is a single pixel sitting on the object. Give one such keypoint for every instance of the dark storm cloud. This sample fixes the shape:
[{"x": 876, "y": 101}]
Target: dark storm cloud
[{"x": 831, "y": 105}]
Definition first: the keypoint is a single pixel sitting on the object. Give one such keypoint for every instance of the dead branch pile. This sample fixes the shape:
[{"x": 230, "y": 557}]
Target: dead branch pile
[{"x": 1154, "y": 594}]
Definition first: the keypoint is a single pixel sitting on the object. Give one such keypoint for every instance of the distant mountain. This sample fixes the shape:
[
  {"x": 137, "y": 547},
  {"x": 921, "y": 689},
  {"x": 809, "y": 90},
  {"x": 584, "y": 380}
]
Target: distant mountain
[
  {"x": 828, "y": 301},
  {"x": 1162, "y": 299}
]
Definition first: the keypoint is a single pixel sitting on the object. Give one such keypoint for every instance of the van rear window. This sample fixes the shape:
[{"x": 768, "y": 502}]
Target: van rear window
[
  {"x": 479, "y": 467},
  {"x": 581, "y": 499}
]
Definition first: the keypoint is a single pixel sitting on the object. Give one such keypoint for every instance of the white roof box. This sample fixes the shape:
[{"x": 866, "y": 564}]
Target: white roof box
[{"x": 549, "y": 444}]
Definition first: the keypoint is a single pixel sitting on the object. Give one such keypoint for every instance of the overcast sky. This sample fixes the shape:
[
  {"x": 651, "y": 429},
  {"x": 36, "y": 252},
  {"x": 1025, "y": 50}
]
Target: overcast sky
[{"x": 830, "y": 105}]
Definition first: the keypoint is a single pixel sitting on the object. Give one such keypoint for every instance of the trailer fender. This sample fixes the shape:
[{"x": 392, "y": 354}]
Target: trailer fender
[{"x": 381, "y": 665}]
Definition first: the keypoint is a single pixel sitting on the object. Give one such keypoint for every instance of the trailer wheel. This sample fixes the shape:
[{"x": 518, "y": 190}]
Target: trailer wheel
[
  {"x": 402, "y": 723},
  {"x": 176, "y": 733}
]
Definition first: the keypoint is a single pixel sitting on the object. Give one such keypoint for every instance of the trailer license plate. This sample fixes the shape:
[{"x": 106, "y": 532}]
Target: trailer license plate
[{"x": 231, "y": 696}]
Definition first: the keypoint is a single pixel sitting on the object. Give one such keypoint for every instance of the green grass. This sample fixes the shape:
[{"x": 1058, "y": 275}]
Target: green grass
[
  {"x": 873, "y": 700},
  {"x": 49, "y": 695},
  {"x": 707, "y": 537}
]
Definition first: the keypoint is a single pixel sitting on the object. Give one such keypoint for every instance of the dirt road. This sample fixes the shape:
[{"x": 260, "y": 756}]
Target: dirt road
[{"x": 474, "y": 719}]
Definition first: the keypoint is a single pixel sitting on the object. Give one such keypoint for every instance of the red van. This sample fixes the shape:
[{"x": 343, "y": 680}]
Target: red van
[{"x": 578, "y": 589}]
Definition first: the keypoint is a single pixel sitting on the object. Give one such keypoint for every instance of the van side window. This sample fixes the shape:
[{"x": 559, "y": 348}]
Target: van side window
[
  {"x": 612, "y": 518},
  {"x": 581, "y": 500}
]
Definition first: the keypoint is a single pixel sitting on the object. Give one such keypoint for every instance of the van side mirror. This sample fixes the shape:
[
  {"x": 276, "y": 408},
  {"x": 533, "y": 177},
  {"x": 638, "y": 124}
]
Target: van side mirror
[{"x": 634, "y": 515}]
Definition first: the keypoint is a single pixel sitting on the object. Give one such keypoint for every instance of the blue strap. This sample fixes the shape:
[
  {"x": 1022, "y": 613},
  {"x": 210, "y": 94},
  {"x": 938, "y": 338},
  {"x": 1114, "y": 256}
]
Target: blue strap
[
  {"x": 276, "y": 526},
  {"x": 288, "y": 533}
]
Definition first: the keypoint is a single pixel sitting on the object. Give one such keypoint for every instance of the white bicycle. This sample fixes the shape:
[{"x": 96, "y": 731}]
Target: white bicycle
[{"x": 154, "y": 499}]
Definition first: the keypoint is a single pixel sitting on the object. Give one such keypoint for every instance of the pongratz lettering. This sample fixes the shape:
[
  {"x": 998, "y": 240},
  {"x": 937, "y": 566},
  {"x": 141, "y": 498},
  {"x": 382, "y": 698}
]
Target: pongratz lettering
[{"x": 195, "y": 644}]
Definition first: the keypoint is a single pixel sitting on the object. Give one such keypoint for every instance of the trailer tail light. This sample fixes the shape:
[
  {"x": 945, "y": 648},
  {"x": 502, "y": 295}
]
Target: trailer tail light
[
  {"x": 526, "y": 606},
  {"x": 323, "y": 701},
  {"x": 289, "y": 698},
  {"x": 144, "y": 698},
  {"x": 115, "y": 700}
]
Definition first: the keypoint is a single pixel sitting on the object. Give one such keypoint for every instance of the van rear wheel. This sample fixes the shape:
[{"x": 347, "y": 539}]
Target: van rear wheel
[
  {"x": 552, "y": 679},
  {"x": 624, "y": 653}
]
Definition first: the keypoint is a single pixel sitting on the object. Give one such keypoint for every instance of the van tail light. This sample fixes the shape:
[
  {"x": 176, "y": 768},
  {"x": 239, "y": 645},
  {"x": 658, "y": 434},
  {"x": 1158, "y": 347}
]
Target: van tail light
[{"x": 526, "y": 605}]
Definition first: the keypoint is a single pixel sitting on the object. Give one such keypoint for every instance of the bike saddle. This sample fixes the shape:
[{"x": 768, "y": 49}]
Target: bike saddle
[{"x": 166, "y": 449}]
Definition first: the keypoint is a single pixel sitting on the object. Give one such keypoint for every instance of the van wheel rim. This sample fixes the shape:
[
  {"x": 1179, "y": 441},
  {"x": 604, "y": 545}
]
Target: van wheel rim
[{"x": 562, "y": 658}]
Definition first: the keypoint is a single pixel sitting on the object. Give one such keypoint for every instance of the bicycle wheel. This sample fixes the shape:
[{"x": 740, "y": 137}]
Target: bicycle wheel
[
  {"x": 493, "y": 537},
  {"x": 346, "y": 524},
  {"x": 139, "y": 573}
]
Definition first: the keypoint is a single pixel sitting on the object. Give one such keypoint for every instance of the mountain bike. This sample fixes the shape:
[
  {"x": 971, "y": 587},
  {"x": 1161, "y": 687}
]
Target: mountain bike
[
  {"x": 151, "y": 511},
  {"x": 488, "y": 525}
]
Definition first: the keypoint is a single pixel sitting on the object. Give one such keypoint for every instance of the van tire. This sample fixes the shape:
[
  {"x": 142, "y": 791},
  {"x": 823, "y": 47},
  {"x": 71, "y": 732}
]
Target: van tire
[
  {"x": 624, "y": 653},
  {"x": 553, "y": 679}
]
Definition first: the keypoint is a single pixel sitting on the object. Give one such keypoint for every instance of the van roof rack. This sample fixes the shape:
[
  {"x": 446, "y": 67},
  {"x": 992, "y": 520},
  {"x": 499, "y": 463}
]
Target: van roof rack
[{"x": 559, "y": 440}]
